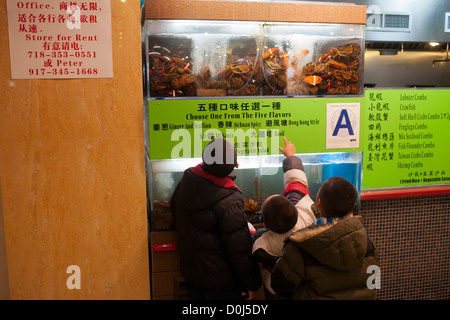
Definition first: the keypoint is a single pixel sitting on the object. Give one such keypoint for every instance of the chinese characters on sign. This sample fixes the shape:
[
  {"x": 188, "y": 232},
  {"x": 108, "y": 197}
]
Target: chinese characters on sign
[
  {"x": 380, "y": 141},
  {"x": 223, "y": 115},
  {"x": 256, "y": 125},
  {"x": 60, "y": 39},
  {"x": 407, "y": 132}
]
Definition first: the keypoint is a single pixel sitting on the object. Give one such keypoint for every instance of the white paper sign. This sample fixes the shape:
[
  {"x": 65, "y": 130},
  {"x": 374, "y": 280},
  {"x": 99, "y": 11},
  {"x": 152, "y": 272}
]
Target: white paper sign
[
  {"x": 60, "y": 39},
  {"x": 343, "y": 125}
]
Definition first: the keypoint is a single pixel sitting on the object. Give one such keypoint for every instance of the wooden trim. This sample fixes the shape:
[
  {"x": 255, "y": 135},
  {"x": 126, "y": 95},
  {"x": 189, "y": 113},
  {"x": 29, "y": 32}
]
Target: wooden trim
[
  {"x": 254, "y": 11},
  {"x": 404, "y": 192}
]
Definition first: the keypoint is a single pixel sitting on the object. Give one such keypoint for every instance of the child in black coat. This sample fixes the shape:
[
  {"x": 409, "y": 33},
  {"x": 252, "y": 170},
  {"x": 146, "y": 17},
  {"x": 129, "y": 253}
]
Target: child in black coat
[{"x": 214, "y": 241}]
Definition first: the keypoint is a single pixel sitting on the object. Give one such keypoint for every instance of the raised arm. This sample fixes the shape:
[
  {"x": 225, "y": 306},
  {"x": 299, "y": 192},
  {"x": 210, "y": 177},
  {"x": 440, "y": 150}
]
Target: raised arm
[{"x": 295, "y": 181}]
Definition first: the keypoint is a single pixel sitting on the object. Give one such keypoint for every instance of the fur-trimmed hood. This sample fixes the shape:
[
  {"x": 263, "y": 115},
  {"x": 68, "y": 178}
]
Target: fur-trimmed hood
[{"x": 340, "y": 245}]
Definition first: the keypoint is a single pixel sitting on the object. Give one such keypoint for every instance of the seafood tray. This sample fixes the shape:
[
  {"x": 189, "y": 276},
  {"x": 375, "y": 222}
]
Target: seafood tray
[
  {"x": 252, "y": 210},
  {"x": 335, "y": 72},
  {"x": 206, "y": 58},
  {"x": 236, "y": 78},
  {"x": 162, "y": 216},
  {"x": 169, "y": 73}
]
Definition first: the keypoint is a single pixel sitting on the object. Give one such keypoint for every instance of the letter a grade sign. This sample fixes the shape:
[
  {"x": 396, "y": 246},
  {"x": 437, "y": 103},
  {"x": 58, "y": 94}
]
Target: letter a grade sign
[{"x": 343, "y": 125}]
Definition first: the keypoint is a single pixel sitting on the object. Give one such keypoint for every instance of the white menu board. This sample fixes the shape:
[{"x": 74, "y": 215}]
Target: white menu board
[{"x": 60, "y": 39}]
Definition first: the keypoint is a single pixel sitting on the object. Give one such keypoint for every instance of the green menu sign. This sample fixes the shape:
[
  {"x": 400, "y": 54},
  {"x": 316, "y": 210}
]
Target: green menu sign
[
  {"x": 406, "y": 136},
  {"x": 182, "y": 128}
]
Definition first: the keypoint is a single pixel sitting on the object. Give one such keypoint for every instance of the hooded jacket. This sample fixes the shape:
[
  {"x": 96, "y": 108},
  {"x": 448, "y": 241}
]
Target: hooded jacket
[
  {"x": 214, "y": 241},
  {"x": 326, "y": 262}
]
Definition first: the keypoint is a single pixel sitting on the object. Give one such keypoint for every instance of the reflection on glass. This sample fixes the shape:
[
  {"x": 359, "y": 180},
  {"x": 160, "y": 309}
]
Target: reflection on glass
[{"x": 257, "y": 176}]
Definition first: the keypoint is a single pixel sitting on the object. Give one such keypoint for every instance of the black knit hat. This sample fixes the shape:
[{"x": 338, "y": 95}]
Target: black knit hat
[{"x": 219, "y": 157}]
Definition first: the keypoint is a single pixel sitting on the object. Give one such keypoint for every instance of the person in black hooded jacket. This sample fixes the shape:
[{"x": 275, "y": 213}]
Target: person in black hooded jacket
[{"x": 214, "y": 241}]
